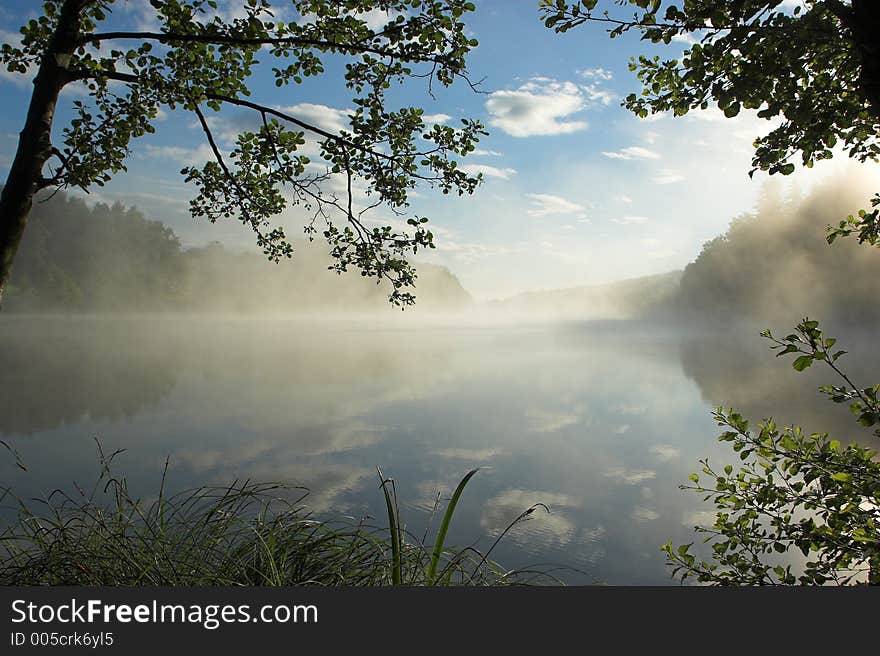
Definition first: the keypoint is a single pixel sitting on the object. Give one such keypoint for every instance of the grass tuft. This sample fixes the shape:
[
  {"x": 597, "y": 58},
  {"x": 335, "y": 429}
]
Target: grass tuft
[{"x": 253, "y": 534}]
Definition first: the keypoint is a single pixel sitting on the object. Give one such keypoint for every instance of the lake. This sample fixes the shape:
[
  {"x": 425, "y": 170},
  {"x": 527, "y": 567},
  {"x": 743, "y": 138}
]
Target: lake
[{"x": 600, "y": 421}]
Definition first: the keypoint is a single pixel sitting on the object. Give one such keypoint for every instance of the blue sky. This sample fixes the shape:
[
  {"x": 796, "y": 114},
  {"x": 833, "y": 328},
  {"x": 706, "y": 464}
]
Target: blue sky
[{"x": 577, "y": 190}]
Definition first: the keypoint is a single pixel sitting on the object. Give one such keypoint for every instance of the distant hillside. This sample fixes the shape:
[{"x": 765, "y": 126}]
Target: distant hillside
[
  {"x": 223, "y": 281},
  {"x": 775, "y": 266},
  {"x": 772, "y": 267},
  {"x": 80, "y": 258},
  {"x": 624, "y": 299}
]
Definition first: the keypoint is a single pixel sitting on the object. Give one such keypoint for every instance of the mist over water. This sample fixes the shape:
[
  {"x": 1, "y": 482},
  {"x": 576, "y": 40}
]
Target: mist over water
[
  {"x": 599, "y": 420},
  {"x": 594, "y": 400}
]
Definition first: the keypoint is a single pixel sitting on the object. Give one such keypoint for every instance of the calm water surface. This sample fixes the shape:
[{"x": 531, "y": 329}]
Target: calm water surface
[{"x": 600, "y": 421}]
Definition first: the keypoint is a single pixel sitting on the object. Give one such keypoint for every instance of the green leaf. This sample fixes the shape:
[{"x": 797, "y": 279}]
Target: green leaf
[
  {"x": 802, "y": 362},
  {"x": 444, "y": 526}
]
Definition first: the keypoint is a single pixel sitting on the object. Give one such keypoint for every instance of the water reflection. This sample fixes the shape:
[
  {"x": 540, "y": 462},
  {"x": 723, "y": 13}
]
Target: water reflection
[
  {"x": 66, "y": 370},
  {"x": 598, "y": 421},
  {"x": 743, "y": 372}
]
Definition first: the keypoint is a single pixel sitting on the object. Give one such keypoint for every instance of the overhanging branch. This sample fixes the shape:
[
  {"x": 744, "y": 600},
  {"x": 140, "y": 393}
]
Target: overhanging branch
[{"x": 222, "y": 39}]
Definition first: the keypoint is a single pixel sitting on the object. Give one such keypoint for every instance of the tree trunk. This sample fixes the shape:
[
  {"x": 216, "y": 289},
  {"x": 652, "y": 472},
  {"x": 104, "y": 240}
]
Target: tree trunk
[
  {"x": 866, "y": 28},
  {"x": 34, "y": 142}
]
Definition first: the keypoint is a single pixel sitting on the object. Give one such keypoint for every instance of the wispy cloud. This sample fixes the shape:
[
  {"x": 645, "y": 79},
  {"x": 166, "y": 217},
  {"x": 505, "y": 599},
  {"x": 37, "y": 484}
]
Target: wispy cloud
[
  {"x": 376, "y": 19},
  {"x": 183, "y": 156},
  {"x": 593, "y": 88},
  {"x": 633, "y": 152},
  {"x": 668, "y": 176},
  {"x": 684, "y": 38},
  {"x": 18, "y": 79},
  {"x": 630, "y": 220},
  {"x": 665, "y": 452},
  {"x": 462, "y": 251},
  {"x": 436, "y": 118},
  {"x": 547, "y": 204},
  {"x": 541, "y": 107},
  {"x": 596, "y": 74},
  {"x": 473, "y": 455},
  {"x": 327, "y": 118},
  {"x": 641, "y": 514},
  {"x": 631, "y": 476},
  {"x": 488, "y": 171},
  {"x": 653, "y": 249},
  {"x": 550, "y": 421}
]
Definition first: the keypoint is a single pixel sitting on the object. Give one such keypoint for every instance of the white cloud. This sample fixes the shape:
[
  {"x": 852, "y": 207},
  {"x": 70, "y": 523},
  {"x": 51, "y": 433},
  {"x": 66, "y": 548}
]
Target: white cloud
[
  {"x": 630, "y": 220},
  {"x": 653, "y": 249},
  {"x": 685, "y": 38},
  {"x": 183, "y": 156},
  {"x": 488, "y": 171},
  {"x": 230, "y": 10},
  {"x": 549, "y": 421},
  {"x": 436, "y": 118},
  {"x": 541, "y": 107},
  {"x": 631, "y": 476},
  {"x": 376, "y": 19},
  {"x": 665, "y": 452},
  {"x": 487, "y": 153},
  {"x": 546, "y": 204},
  {"x": 598, "y": 95},
  {"x": 791, "y": 5},
  {"x": 596, "y": 74},
  {"x": 473, "y": 455},
  {"x": 593, "y": 88},
  {"x": 142, "y": 14},
  {"x": 540, "y": 528},
  {"x": 668, "y": 176},
  {"x": 633, "y": 152},
  {"x": 710, "y": 115},
  {"x": 623, "y": 198},
  {"x": 327, "y": 118},
  {"x": 18, "y": 79},
  {"x": 641, "y": 513},
  {"x": 698, "y": 518}
]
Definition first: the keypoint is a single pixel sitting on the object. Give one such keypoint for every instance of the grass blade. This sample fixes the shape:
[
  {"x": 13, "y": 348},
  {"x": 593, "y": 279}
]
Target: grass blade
[
  {"x": 444, "y": 527},
  {"x": 396, "y": 574}
]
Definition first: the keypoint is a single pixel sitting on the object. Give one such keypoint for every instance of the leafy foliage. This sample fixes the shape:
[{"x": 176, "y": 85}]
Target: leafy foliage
[
  {"x": 814, "y": 69},
  {"x": 810, "y": 345},
  {"x": 258, "y": 534},
  {"x": 758, "y": 270},
  {"x": 80, "y": 258},
  {"x": 200, "y": 61},
  {"x": 866, "y": 224},
  {"x": 795, "y": 491}
]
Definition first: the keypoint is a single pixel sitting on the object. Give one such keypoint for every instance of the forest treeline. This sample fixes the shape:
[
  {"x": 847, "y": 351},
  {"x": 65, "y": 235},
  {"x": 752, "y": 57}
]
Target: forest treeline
[
  {"x": 77, "y": 257},
  {"x": 774, "y": 265},
  {"x": 771, "y": 267}
]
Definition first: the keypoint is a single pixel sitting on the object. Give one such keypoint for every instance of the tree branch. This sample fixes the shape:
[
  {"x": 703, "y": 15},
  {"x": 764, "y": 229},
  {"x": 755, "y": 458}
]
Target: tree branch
[
  {"x": 221, "y": 39},
  {"x": 262, "y": 109},
  {"x": 844, "y": 13}
]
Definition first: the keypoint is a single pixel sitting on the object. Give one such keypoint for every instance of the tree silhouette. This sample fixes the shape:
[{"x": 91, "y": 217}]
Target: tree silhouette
[
  {"x": 814, "y": 68},
  {"x": 200, "y": 61}
]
